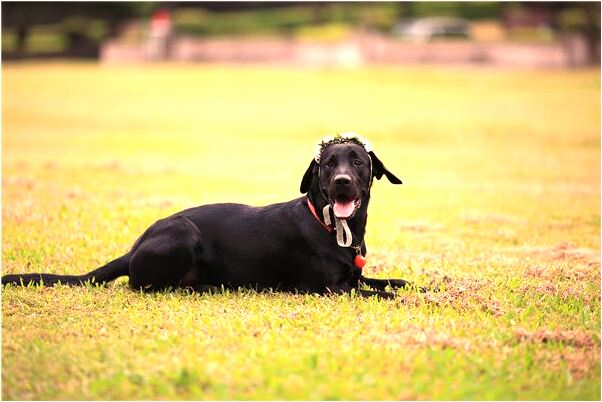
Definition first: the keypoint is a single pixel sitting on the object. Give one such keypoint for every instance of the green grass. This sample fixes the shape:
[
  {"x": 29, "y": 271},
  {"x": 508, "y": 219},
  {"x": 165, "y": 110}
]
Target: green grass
[{"x": 500, "y": 207}]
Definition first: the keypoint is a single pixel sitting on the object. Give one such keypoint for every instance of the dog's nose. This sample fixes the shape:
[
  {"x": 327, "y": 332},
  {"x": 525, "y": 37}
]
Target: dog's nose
[{"x": 342, "y": 179}]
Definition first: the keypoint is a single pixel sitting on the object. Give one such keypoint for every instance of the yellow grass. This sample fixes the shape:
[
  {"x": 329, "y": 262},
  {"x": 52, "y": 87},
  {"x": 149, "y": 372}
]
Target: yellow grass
[{"x": 500, "y": 206}]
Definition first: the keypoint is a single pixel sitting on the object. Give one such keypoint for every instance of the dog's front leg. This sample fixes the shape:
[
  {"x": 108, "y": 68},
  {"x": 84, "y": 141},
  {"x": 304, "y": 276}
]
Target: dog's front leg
[
  {"x": 381, "y": 284},
  {"x": 364, "y": 293}
]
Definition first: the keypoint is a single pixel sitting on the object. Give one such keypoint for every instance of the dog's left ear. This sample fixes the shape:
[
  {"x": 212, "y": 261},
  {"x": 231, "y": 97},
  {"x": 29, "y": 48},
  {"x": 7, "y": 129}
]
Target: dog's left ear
[
  {"x": 306, "y": 181},
  {"x": 378, "y": 169}
]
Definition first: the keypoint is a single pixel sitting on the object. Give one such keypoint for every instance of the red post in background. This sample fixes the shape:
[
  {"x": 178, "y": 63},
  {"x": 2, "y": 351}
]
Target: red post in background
[{"x": 159, "y": 35}]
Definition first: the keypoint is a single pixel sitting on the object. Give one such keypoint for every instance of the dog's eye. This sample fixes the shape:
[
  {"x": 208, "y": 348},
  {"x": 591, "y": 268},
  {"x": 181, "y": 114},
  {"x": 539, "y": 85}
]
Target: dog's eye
[
  {"x": 358, "y": 163},
  {"x": 330, "y": 163}
]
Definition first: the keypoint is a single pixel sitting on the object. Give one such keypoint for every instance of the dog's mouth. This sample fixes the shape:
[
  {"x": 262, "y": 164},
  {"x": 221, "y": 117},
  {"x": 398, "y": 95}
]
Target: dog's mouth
[{"x": 345, "y": 207}]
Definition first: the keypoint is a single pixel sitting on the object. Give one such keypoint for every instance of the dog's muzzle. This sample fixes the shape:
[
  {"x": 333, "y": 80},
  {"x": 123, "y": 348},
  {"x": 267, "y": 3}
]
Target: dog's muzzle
[{"x": 342, "y": 197}]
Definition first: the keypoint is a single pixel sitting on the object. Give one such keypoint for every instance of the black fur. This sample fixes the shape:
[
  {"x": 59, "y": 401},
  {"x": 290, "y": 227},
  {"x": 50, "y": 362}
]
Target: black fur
[{"x": 280, "y": 246}]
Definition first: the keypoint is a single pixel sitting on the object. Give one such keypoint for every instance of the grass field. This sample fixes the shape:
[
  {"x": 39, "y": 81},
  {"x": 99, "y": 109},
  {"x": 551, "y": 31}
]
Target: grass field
[{"x": 500, "y": 208}]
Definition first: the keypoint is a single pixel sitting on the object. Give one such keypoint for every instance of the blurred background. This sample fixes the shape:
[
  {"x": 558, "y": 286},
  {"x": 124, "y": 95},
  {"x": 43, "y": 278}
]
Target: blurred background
[{"x": 536, "y": 34}]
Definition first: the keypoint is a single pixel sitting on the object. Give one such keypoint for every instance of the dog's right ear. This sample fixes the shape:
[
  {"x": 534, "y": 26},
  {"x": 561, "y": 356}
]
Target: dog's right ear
[{"x": 306, "y": 181}]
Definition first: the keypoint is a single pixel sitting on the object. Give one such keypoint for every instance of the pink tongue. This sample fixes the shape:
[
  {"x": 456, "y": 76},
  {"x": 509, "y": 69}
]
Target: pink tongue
[{"x": 343, "y": 210}]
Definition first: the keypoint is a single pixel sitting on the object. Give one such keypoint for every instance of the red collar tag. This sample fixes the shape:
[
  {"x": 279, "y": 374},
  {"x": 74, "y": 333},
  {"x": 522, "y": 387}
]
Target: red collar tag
[{"x": 359, "y": 261}]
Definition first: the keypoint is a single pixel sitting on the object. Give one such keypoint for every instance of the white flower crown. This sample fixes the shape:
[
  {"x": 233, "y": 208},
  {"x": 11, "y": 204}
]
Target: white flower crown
[{"x": 339, "y": 139}]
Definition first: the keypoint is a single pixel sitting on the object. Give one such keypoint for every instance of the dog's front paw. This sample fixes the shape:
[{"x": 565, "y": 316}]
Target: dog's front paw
[
  {"x": 402, "y": 284},
  {"x": 398, "y": 284}
]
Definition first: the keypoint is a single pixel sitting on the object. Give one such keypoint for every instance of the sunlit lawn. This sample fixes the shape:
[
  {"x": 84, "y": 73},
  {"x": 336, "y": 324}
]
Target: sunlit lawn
[{"x": 500, "y": 208}]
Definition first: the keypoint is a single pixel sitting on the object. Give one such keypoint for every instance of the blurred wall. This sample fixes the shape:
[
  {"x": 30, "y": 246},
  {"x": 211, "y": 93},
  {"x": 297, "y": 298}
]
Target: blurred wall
[{"x": 540, "y": 34}]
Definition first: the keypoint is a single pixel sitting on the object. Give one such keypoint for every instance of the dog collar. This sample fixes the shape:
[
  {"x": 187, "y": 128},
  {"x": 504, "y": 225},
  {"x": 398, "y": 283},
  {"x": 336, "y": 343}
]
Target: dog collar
[
  {"x": 328, "y": 228},
  {"x": 344, "y": 236}
]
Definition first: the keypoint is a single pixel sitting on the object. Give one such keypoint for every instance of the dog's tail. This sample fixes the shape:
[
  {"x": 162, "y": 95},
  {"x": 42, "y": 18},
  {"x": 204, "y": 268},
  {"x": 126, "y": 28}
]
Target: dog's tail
[{"x": 102, "y": 275}]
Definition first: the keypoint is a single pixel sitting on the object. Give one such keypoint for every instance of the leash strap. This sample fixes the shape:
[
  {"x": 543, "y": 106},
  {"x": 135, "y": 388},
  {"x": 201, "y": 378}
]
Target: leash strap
[
  {"x": 344, "y": 237},
  {"x": 341, "y": 241},
  {"x": 326, "y": 215}
]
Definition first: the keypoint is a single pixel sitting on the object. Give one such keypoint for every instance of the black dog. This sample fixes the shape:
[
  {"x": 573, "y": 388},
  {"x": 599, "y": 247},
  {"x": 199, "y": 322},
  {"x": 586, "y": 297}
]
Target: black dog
[{"x": 291, "y": 246}]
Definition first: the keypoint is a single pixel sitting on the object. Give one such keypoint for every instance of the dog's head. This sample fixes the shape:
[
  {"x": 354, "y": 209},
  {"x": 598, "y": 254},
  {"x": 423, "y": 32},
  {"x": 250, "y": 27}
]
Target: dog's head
[{"x": 342, "y": 171}]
